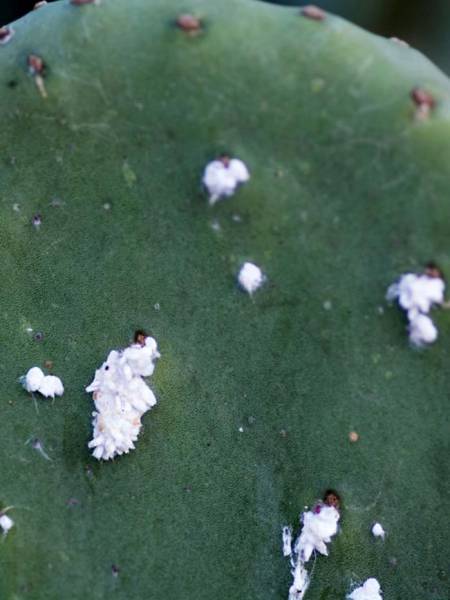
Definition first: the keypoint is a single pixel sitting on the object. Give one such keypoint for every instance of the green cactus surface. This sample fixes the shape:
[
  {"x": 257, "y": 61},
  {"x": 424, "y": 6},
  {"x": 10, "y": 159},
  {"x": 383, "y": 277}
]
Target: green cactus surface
[{"x": 348, "y": 190}]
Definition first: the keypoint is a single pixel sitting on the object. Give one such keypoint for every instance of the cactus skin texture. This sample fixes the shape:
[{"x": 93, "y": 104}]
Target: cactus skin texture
[{"x": 348, "y": 190}]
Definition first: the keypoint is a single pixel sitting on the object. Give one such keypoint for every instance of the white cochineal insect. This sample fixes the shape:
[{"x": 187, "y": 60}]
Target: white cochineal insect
[
  {"x": 223, "y": 176},
  {"x": 121, "y": 397},
  {"x": 416, "y": 295},
  {"x": 319, "y": 525},
  {"x": 48, "y": 386},
  {"x": 370, "y": 590},
  {"x": 378, "y": 531},
  {"x": 250, "y": 277}
]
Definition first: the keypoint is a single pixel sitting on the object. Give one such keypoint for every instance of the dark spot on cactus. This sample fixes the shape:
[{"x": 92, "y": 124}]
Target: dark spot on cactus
[
  {"x": 187, "y": 489},
  {"x": 36, "y": 65},
  {"x": 115, "y": 570},
  {"x": 12, "y": 83},
  {"x": 36, "y": 220},
  {"x": 432, "y": 270},
  {"x": 313, "y": 12},
  {"x": 332, "y": 498},
  {"x": 283, "y": 433},
  {"x": 48, "y": 364},
  {"x": 38, "y": 336},
  {"x": 139, "y": 337},
  {"x": 89, "y": 472},
  {"x": 73, "y": 502},
  {"x": 225, "y": 160},
  {"x": 189, "y": 24}
]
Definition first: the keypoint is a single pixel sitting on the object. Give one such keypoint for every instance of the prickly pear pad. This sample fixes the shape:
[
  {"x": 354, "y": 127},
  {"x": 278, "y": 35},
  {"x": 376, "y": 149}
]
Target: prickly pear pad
[{"x": 348, "y": 189}]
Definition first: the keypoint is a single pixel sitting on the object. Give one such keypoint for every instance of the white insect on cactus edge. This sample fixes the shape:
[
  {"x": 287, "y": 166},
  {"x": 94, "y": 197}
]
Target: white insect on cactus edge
[
  {"x": 121, "y": 397},
  {"x": 223, "y": 176}
]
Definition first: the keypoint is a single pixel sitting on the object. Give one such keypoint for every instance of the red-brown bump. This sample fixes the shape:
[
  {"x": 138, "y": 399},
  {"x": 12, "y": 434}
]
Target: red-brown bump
[
  {"x": 36, "y": 64},
  {"x": 5, "y": 32},
  {"x": 81, "y": 2},
  {"x": 189, "y": 23},
  {"x": 313, "y": 12},
  {"x": 422, "y": 98}
]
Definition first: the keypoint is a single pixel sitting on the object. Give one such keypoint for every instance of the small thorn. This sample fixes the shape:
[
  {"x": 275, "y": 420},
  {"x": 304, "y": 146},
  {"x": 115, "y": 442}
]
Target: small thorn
[
  {"x": 313, "y": 12},
  {"x": 6, "y": 34},
  {"x": 189, "y": 24},
  {"x": 81, "y": 2},
  {"x": 424, "y": 101},
  {"x": 36, "y": 68},
  {"x": 40, "y": 4}
]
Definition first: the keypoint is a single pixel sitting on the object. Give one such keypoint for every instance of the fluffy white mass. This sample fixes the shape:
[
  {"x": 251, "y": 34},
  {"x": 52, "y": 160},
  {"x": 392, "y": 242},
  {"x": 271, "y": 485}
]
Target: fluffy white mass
[
  {"x": 222, "y": 177},
  {"x": 416, "y": 294},
  {"x": 369, "y": 591},
  {"x": 300, "y": 583},
  {"x": 319, "y": 526},
  {"x": 378, "y": 531},
  {"x": 48, "y": 386},
  {"x": 422, "y": 330},
  {"x": 121, "y": 397},
  {"x": 5, "y": 523},
  {"x": 250, "y": 277}
]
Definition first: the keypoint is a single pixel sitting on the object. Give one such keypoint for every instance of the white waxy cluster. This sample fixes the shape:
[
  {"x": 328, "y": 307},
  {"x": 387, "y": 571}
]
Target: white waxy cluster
[
  {"x": 319, "y": 526},
  {"x": 370, "y": 590},
  {"x": 121, "y": 397},
  {"x": 6, "y": 523},
  {"x": 416, "y": 294},
  {"x": 223, "y": 176},
  {"x": 378, "y": 531},
  {"x": 48, "y": 386},
  {"x": 250, "y": 277}
]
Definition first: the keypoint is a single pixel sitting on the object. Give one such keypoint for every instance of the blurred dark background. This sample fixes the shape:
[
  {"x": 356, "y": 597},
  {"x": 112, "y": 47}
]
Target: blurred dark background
[{"x": 425, "y": 24}]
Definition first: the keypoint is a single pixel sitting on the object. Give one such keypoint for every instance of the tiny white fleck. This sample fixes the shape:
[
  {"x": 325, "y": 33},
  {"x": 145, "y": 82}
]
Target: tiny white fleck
[
  {"x": 222, "y": 177},
  {"x": 250, "y": 277},
  {"x": 215, "y": 225},
  {"x": 157, "y": 306},
  {"x": 236, "y": 218},
  {"x": 241, "y": 429},
  {"x": 327, "y": 305},
  {"x": 107, "y": 206},
  {"x": 16, "y": 207},
  {"x": 380, "y": 310}
]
